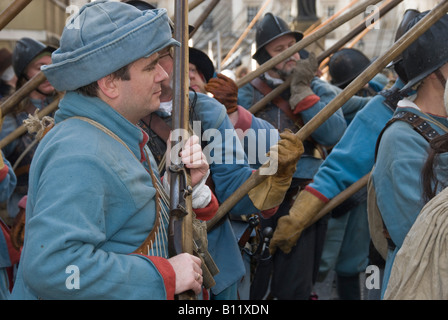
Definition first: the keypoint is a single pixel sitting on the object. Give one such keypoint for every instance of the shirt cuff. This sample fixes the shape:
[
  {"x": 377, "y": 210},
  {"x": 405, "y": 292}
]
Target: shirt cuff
[
  {"x": 209, "y": 211},
  {"x": 306, "y": 103},
  {"x": 317, "y": 194},
  {"x": 4, "y": 172},
  {"x": 244, "y": 119}
]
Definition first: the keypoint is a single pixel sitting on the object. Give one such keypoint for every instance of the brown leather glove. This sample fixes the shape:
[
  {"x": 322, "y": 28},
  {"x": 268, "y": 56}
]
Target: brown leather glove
[
  {"x": 289, "y": 227},
  {"x": 225, "y": 91},
  {"x": 302, "y": 75},
  {"x": 271, "y": 192}
]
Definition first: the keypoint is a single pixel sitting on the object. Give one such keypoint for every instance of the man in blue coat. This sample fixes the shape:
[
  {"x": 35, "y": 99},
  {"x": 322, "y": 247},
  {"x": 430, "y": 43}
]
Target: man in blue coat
[
  {"x": 94, "y": 186},
  {"x": 403, "y": 147},
  {"x": 229, "y": 169},
  {"x": 306, "y": 97}
]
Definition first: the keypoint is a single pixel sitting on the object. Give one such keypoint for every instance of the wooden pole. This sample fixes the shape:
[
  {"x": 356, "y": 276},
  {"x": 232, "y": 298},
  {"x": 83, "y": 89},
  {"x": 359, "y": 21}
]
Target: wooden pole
[
  {"x": 203, "y": 16},
  {"x": 324, "y": 56},
  {"x": 12, "y": 101},
  {"x": 12, "y": 11},
  {"x": 334, "y": 16},
  {"x": 22, "y": 129},
  {"x": 246, "y": 31},
  {"x": 340, "y": 198},
  {"x": 180, "y": 120},
  {"x": 305, "y": 42}
]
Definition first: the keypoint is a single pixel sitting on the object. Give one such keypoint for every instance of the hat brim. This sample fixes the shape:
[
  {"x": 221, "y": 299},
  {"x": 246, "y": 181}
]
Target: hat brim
[
  {"x": 297, "y": 35},
  {"x": 72, "y": 70}
]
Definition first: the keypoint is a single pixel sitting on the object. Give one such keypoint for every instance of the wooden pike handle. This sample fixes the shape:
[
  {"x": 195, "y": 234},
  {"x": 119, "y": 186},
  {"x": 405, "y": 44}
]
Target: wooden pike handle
[
  {"x": 21, "y": 93},
  {"x": 12, "y": 11},
  {"x": 22, "y": 129},
  {"x": 305, "y": 42}
]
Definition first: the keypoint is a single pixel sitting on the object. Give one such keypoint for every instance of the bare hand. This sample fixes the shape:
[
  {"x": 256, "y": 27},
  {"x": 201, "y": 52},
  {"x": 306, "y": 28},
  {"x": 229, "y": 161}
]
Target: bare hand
[
  {"x": 188, "y": 273},
  {"x": 194, "y": 159}
]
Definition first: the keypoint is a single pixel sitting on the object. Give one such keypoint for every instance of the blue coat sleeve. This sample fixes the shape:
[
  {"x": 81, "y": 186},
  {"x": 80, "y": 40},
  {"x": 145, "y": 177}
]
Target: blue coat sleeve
[
  {"x": 397, "y": 178},
  {"x": 329, "y": 133},
  {"x": 229, "y": 167},
  {"x": 353, "y": 156},
  {"x": 8, "y": 183}
]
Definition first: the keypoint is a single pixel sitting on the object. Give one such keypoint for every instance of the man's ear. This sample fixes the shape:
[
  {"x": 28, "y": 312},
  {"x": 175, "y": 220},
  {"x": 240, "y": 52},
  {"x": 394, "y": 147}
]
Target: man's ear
[{"x": 109, "y": 86}]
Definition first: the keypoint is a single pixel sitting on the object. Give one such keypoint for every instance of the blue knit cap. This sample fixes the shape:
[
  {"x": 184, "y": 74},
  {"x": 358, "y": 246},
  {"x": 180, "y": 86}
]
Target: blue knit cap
[{"x": 104, "y": 37}]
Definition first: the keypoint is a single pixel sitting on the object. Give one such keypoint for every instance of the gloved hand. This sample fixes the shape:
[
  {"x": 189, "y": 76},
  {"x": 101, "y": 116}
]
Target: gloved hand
[
  {"x": 302, "y": 76},
  {"x": 289, "y": 227},
  {"x": 225, "y": 91},
  {"x": 271, "y": 192}
]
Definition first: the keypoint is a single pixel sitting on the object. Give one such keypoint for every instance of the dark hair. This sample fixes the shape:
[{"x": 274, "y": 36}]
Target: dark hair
[
  {"x": 429, "y": 179},
  {"x": 91, "y": 90}
]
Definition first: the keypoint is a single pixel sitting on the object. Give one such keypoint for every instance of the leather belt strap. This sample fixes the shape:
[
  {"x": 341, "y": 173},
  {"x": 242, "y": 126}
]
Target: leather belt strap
[
  {"x": 281, "y": 103},
  {"x": 160, "y": 127}
]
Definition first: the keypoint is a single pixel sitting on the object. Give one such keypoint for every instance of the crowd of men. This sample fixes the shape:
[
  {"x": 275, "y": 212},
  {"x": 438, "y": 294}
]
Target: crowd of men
[{"x": 87, "y": 197}]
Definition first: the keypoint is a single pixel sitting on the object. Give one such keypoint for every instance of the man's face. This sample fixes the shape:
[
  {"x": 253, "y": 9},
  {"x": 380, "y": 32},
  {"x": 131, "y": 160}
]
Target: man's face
[
  {"x": 166, "y": 61},
  {"x": 34, "y": 68},
  {"x": 197, "y": 81},
  {"x": 279, "y": 45},
  {"x": 141, "y": 94}
]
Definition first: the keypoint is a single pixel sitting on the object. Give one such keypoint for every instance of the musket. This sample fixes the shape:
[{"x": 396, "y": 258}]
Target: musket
[
  {"x": 12, "y": 11},
  {"x": 180, "y": 228},
  {"x": 191, "y": 6},
  {"x": 379, "y": 64}
]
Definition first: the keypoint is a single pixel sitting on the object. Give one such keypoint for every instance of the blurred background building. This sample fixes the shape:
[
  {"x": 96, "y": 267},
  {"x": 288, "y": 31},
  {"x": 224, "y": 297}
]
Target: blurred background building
[{"x": 226, "y": 25}]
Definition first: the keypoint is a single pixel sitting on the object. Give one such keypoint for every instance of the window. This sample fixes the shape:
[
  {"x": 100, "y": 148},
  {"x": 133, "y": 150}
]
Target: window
[
  {"x": 331, "y": 10},
  {"x": 208, "y": 24},
  {"x": 251, "y": 13}
]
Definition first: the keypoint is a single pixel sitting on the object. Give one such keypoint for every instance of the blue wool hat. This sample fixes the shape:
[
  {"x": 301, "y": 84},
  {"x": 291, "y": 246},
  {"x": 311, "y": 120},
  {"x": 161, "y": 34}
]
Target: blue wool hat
[{"x": 104, "y": 37}]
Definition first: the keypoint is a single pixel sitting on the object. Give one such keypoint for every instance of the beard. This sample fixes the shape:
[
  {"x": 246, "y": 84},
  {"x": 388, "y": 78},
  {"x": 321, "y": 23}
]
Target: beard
[{"x": 285, "y": 72}]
